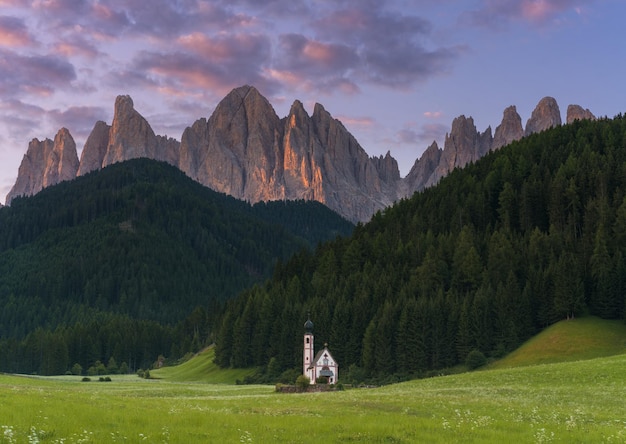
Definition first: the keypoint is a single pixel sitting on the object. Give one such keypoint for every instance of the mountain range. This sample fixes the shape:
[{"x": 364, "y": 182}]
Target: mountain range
[{"x": 245, "y": 150}]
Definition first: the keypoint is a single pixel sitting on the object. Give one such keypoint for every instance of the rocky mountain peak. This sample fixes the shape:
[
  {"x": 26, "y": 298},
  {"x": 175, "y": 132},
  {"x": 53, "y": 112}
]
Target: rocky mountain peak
[
  {"x": 509, "y": 130},
  {"x": 423, "y": 170},
  {"x": 241, "y": 146},
  {"x": 387, "y": 168},
  {"x": 95, "y": 148},
  {"x": 245, "y": 150},
  {"x": 130, "y": 136},
  {"x": 577, "y": 112},
  {"x": 462, "y": 145},
  {"x": 545, "y": 115},
  {"x": 46, "y": 163}
]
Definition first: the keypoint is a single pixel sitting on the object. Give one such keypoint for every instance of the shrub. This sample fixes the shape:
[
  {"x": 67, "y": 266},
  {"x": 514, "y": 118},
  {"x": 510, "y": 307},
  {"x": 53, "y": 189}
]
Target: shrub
[
  {"x": 289, "y": 376},
  {"x": 124, "y": 368},
  {"x": 86, "y": 379},
  {"x": 303, "y": 383},
  {"x": 475, "y": 359}
]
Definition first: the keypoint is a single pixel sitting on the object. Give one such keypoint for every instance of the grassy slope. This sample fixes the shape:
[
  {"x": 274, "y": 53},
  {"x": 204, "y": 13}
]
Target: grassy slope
[
  {"x": 201, "y": 368},
  {"x": 572, "y": 340},
  {"x": 566, "y": 402}
]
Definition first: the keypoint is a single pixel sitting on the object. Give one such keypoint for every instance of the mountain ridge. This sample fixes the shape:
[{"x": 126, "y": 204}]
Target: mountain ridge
[{"x": 245, "y": 150}]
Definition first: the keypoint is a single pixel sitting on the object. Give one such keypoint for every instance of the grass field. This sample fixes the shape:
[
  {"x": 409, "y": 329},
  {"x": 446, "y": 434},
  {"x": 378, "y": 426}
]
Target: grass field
[
  {"x": 572, "y": 340},
  {"x": 567, "y": 402},
  {"x": 201, "y": 369}
]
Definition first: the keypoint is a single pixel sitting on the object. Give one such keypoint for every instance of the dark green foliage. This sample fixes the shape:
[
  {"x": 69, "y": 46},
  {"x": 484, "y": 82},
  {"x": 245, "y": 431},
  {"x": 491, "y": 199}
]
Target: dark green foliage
[
  {"x": 302, "y": 383},
  {"x": 475, "y": 359},
  {"x": 84, "y": 263},
  {"x": 524, "y": 237}
]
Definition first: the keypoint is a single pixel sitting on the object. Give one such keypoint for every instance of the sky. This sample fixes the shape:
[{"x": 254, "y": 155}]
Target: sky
[{"x": 396, "y": 72}]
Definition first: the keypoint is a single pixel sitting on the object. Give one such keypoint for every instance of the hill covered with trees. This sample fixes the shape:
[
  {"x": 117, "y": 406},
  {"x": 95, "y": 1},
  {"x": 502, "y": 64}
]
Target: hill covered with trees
[
  {"x": 528, "y": 235},
  {"x": 134, "y": 261}
]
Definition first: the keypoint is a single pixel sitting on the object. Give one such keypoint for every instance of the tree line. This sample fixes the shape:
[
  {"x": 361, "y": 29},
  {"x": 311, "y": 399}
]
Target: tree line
[
  {"x": 526, "y": 236},
  {"x": 137, "y": 241}
]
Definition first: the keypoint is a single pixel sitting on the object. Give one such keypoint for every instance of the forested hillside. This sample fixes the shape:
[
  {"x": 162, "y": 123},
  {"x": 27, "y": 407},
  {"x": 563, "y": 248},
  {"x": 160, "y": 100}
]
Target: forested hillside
[
  {"x": 530, "y": 234},
  {"x": 138, "y": 246}
]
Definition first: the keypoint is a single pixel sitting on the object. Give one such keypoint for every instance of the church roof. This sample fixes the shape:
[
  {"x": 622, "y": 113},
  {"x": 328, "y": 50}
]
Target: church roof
[
  {"x": 326, "y": 372},
  {"x": 308, "y": 326},
  {"x": 321, "y": 353}
]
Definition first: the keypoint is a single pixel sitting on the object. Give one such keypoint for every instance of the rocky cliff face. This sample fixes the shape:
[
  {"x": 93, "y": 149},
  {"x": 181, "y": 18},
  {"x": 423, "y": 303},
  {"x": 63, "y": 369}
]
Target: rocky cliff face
[
  {"x": 132, "y": 137},
  {"x": 423, "y": 170},
  {"x": 45, "y": 163},
  {"x": 238, "y": 153},
  {"x": 247, "y": 151},
  {"x": 577, "y": 112},
  {"x": 463, "y": 144},
  {"x": 509, "y": 130},
  {"x": 545, "y": 115},
  {"x": 95, "y": 148},
  {"x": 244, "y": 149}
]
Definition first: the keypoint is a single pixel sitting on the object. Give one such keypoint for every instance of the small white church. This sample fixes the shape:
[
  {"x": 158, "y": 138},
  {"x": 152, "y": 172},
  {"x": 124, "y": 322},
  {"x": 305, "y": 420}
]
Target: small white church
[{"x": 317, "y": 365}]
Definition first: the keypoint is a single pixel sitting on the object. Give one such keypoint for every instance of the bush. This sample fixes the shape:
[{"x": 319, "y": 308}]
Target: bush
[
  {"x": 86, "y": 379},
  {"x": 303, "y": 383},
  {"x": 475, "y": 359},
  {"x": 289, "y": 376}
]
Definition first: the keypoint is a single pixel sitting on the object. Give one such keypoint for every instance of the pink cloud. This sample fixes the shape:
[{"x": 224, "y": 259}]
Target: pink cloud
[
  {"x": 493, "y": 12},
  {"x": 300, "y": 53},
  {"x": 536, "y": 10},
  {"x": 14, "y": 33},
  {"x": 39, "y": 75},
  {"x": 225, "y": 46},
  {"x": 365, "y": 122},
  {"x": 433, "y": 114}
]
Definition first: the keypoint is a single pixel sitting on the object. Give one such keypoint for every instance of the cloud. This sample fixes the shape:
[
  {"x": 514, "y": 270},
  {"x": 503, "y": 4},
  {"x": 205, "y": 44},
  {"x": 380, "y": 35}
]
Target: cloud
[
  {"x": 432, "y": 131},
  {"x": 496, "y": 13},
  {"x": 393, "y": 48},
  {"x": 433, "y": 114},
  {"x": 315, "y": 65},
  {"x": 413, "y": 134},
  {"x": 365, "y": 122},
  {"x": 78, "y": 119},
  {"x": 14, "y": 33},
  {"x": 76, "y": 45},
  {"x": 208, "y": 63},
  {"x": 37, "y": 74},
  {"x": 18, "y": 118}
]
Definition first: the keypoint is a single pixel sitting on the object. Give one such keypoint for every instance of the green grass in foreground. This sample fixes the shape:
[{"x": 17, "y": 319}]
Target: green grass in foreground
[
  {"x": 567, "y": 402},
  {"x": 572, "y": 340},
  {"x": 201, "y": 369}
]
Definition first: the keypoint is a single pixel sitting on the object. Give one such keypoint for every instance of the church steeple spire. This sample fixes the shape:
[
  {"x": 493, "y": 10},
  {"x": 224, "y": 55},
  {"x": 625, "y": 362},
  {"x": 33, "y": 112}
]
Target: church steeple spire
[{"x": 308, "y": 351}]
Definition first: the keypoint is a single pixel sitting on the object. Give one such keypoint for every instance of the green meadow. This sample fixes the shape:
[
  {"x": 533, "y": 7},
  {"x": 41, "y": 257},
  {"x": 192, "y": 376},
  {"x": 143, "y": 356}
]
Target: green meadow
[{"x": 568, "y": 402}]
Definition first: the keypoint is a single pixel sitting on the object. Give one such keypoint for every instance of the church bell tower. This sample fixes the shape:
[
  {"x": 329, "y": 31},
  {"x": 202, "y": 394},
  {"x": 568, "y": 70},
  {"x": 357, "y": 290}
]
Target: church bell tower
[{"x": 308, "y": 356}]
